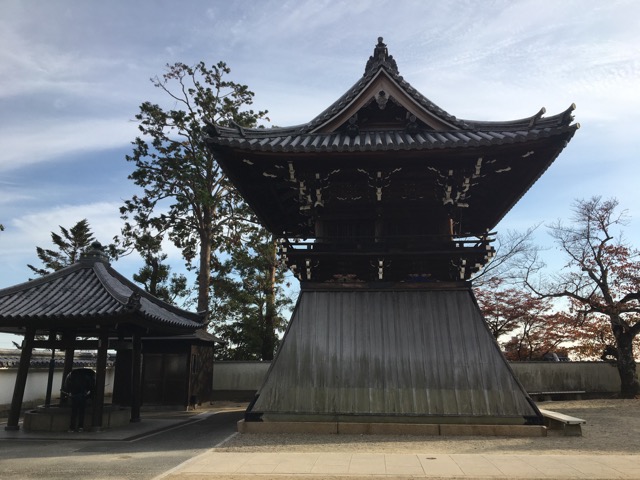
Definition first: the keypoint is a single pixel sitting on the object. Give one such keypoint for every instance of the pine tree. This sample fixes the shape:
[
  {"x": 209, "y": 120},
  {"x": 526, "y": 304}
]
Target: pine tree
[
  {"x": 70, "y": 244},
  {"x": 185, "y": 193},
  {"x": 251, "y": 299}
]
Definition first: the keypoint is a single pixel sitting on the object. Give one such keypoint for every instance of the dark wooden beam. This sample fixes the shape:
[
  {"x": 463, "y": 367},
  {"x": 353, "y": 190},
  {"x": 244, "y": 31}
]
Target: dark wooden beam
[
  {"x": 63, "y": 345},
  {"x": 21, "y": 380},
  {"x": 136, "y": 379},
  {"x": 101, "y": 370},
  {"x": 52, "y": 365},
  {"x": 68, "y": 339}
]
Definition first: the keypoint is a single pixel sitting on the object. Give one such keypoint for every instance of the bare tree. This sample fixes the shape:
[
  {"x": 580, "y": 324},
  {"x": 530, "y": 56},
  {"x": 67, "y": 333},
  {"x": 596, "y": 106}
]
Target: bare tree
[
  {"x": 511, "y": 248},
  {"x": 601, "y": 277}
]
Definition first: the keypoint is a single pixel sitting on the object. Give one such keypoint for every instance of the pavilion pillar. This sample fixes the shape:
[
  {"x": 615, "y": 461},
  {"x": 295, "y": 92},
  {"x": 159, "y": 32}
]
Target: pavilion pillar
[
  {"x": 69, "y": 341},
  {"x": 52, "y": 366},
  {"x": 101, "y": 373},
  {"x": 136, "y": 378},
  {"x": 21, "y": 380}
]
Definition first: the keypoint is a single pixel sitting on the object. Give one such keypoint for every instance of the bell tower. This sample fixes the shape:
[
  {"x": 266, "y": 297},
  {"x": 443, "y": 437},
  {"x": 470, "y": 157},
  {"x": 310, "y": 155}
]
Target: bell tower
[{"x": 385, "y": 207}]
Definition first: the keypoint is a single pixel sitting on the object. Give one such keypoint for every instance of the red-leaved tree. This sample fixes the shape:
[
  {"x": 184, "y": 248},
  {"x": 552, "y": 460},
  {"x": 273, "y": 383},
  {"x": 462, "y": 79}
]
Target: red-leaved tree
[
  {"x": 602, "y": 280},
  {"x": 533, "y": 328}
]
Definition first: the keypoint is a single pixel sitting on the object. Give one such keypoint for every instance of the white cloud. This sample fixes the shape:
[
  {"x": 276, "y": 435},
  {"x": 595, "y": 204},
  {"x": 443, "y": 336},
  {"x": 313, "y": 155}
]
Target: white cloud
[
  {"x": 22, "y": 147},
  {"x": 34, "y": 229},
  {"x": 477, "y": 60}
]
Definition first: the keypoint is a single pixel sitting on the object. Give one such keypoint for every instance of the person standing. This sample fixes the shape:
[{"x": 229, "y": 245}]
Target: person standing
[{"x": 79, "y": 385}]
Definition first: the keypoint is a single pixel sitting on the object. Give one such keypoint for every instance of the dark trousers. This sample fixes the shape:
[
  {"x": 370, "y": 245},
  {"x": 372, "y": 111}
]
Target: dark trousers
[{"x": 77, "y": 411}]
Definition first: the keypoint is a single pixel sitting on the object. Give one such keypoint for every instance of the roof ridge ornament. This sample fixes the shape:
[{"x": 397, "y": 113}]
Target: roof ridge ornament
[
  {"x": 95, "y": 253},
  {"x": 381, "y": 59},
  {"x": 133, "y": 302}
]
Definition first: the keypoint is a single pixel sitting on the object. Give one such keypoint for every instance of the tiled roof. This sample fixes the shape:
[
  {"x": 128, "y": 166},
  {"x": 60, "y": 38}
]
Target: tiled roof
[
  {"x": 381, "y": 140},
  {"x": 459, "y": 133},
  {"x": 85, "y": 292}
]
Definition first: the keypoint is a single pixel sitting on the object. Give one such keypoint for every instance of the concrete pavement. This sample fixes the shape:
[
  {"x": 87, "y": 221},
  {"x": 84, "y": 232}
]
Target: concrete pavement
[{"x": 284, "y": 465}]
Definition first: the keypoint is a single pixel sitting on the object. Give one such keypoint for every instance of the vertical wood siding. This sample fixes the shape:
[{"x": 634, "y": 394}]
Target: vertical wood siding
[{"x": 392, "y": 353}]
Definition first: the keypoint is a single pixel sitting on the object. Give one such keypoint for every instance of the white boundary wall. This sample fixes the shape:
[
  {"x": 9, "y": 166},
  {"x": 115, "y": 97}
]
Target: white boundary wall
[
  {"x": 36, "y": 389},
  {"x": 591, "y": 377}
]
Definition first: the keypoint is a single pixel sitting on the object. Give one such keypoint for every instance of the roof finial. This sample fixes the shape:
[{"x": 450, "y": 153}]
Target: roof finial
[
  {"x": 381, "y": 58},
  {"x": 95, "y": 252},
  {"x": 381, "y": 52}
]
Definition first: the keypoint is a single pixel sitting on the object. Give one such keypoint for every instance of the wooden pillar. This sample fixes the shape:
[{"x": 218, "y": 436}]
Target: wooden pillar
[
  {"x": 122, "y": 374},
  {"x": 69, "y": 341},
  {"x": 136, "y": 378},
  {"x": 101, "y": 373},
  {"x": 52, "y": 366},
  {"x": 21, "y": 380}
]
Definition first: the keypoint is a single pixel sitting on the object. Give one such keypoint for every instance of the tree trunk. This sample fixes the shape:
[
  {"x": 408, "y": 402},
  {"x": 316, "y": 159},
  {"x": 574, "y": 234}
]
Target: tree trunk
[
  {"x": 268, "y": 338},
  {"x": 629, "y": 384},
  {"x": 204, "y": 273}
]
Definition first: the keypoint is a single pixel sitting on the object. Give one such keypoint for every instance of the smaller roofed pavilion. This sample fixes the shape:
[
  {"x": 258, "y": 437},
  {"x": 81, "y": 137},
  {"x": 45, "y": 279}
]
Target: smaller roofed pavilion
[{"x": 88, "y": 305}]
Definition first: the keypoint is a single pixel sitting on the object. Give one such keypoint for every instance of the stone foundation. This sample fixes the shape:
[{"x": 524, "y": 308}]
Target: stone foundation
[
  {"x": 56, "y": 418},
  {"x": 393, "y": 429}
]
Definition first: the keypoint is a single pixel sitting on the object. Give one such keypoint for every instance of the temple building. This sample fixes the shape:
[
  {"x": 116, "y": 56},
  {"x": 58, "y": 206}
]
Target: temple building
[{"x": 384, "y": 206}]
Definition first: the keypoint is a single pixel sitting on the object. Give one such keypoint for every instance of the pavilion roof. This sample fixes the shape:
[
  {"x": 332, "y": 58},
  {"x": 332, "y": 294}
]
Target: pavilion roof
[{"x": 85, "y": 294}]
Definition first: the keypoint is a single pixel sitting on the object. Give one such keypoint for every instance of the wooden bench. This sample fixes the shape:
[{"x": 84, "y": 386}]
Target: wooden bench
[{"x": 571, "y": 426}]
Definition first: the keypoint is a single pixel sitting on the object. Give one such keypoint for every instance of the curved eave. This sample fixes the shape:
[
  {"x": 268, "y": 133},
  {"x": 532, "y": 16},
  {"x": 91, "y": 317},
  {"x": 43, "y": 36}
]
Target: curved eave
[
  {"x": 150, "y": 306},
  {"x": 540, "y": 173},
  {"x": 389, "y": 140},
  {"x": 535, "y": 121}
]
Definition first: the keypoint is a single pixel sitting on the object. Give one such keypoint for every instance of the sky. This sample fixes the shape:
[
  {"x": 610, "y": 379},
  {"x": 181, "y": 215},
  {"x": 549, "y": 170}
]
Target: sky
[{"x": 73, "y": 74}]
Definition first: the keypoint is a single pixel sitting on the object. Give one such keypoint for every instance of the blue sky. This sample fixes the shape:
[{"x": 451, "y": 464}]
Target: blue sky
[{"x": 73, "y": 73}]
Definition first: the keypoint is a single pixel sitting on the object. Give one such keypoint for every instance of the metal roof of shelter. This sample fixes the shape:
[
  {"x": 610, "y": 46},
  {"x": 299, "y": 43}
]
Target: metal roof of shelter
[{"x": 88, "y": 292}]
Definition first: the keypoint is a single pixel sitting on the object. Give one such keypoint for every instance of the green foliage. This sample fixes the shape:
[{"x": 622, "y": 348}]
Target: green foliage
[
  {"x": 70, "y": 243},
  {"x": 250, "y": 299},
  {"x": 155, "y": 276},
  {"x": 185, "y": 193}
]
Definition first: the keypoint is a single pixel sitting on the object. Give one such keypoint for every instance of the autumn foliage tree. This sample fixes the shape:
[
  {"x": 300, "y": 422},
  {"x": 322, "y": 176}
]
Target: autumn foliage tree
[
  {"x": 527, "y": 327},
  {"x": 601, "y": 278},
  {"x": 498, "y": 306},
  {"x": 594, "y": 340},
  {"x": 540, "y": 334}
]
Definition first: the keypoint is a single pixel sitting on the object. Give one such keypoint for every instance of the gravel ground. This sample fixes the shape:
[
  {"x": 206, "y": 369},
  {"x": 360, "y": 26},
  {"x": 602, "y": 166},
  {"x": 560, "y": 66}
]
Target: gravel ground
[{"x": 613, "y": 427}]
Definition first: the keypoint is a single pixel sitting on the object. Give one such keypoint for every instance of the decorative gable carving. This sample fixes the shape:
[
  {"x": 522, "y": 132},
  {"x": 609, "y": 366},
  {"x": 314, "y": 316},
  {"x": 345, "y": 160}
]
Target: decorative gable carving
[{"x": 386, "y": 95}]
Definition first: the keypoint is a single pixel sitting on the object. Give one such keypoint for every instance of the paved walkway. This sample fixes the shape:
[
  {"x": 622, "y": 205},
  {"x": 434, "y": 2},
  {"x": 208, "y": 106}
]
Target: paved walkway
[
  {"x": 219, "y": 465},
  {"x": 351, "y": 466}
]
